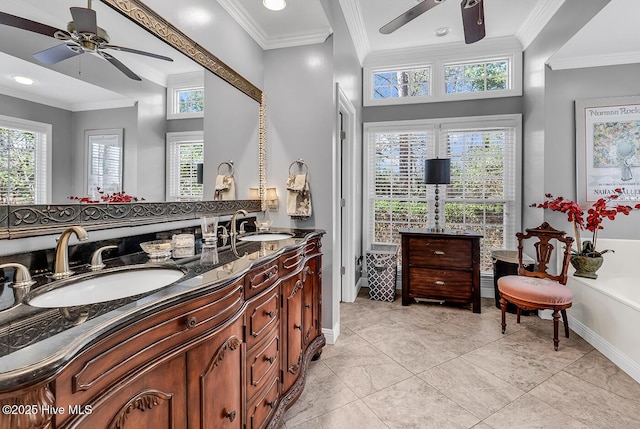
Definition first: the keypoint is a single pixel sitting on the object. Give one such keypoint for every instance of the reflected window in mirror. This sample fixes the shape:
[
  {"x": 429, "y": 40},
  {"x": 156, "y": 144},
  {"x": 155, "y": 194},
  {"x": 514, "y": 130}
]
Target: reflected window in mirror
[
  {"x": 104, "y": 161},
  {"x": 185, "y": 150},
  {"x": 185, "y": 95},
  {"x": 25, "y": 164}
]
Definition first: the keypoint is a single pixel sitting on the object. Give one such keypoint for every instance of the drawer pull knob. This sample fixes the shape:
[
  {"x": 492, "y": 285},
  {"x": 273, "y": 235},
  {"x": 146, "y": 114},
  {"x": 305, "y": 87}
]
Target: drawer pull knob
[
  {"x": 438, "y": 252},
  {"x": 439, "y": 283},
  {"x": 270, "y": 359},
  {"x": 271, "y": 404},
  {"x": 270, "y": 313},
  {"x": 268, "y": 274},
  {"x": 297, "y": 327},
  {"x": 191, "y": 322},
  {"x": 231, "y": 415},
  {"x": 307, "y": 306}
]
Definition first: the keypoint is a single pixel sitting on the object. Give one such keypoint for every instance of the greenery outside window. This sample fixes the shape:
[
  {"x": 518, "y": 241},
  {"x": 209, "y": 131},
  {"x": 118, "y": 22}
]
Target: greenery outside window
[
  {"x": 184, "y": 152},
  {"x": 476, "y": 77},
  {"x": 24, "y": 161},
  {"x": 185, "y": 96},
  {"x": 481, "y": 197}
]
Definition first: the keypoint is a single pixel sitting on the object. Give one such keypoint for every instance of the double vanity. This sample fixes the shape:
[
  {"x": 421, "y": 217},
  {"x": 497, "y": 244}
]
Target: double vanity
[{"x": 225, "y": 344}]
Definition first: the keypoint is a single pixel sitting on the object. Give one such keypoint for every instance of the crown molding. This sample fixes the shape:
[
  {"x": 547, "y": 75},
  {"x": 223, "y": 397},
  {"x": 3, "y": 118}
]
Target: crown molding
[
  {"x": 420, "y": 54},
  {"x": 596, "y": 60},
  {"x": 355, "y": 24},
  {"x": 537, "y": 19},
  {"x": 100, "y": 105},
  {"x": 35, "y": 98},
  {"x": 257, "y": 33}
]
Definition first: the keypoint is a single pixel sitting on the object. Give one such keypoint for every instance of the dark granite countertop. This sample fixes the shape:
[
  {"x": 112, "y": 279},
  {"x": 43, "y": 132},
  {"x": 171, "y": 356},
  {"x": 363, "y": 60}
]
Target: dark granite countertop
[{"x": 40, "y": 341}]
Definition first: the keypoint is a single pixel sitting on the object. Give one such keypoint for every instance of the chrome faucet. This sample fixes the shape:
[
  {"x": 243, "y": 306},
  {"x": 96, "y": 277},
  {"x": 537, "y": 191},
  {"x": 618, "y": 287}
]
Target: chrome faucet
[
  {"x": 233, "y": 221},
  {"x": 96, "y": 258},
  {"x": 61, "y": 262},
  {"x": 21, "y": 281}
]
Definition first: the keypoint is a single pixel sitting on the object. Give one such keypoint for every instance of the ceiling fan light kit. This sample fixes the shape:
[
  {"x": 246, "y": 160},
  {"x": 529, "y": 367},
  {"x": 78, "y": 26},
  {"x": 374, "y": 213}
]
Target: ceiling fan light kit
[
  {"x": 82, "y": 36},
  {"x": 472, "y": 19},
  {"x": 274, "y": 4}
]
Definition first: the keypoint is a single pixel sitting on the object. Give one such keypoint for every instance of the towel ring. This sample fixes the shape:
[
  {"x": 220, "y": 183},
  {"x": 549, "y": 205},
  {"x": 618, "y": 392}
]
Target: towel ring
[
  {"x": 229, "y": 164},
  {"x": 301, "y": 166}
]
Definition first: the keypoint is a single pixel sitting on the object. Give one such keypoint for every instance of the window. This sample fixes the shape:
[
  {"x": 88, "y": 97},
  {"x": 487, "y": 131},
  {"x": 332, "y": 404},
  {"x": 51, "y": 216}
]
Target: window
[
  {"x": 401, "y": 83},
  {"x": 185, "y": 95},
  {"x": 184, "y": 151},
  {"x": 476, "y": 77},
  {"x": 482, "y": 194},
  {"x": 433, "y": 74},
  {"x": 24, "y": 163},
  {"x": 104, "y": 148}
]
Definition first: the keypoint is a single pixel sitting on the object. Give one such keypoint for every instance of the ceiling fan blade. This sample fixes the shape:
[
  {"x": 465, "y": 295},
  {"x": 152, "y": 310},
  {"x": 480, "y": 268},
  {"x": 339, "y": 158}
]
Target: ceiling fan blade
[
  {"x": 84, "y": 20},
  {"x": 27, "y": 24},
  {"x": 124, "y": 69},
  {"x": 409, "y": 15},
  {"x": 135, "y": 51},
  {"x": 473, "y": 20},
  {"x": 56, "y": 54}
]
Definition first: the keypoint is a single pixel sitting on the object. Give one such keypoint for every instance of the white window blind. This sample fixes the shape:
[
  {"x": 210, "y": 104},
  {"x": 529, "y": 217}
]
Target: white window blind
[
  {"x": 105, "y": 166},
  {"x": 397, "y": 196},
  {"x": 24, "y": 165},
  {"x": 481, "y": 196},
  {"x": 184, "y": 151}
]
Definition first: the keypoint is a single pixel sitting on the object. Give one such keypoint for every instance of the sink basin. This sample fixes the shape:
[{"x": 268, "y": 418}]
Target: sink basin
[
  {"x": 107, "y": 285},
  {"x": 266, "y": 236}
]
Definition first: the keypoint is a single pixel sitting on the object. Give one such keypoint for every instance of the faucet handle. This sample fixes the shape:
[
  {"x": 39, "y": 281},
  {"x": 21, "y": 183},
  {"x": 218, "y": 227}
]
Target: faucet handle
[
  {"x": 242, "y": 224},
  {"x": 21, "y": 281},
  {"x": 96, "y": 257}
]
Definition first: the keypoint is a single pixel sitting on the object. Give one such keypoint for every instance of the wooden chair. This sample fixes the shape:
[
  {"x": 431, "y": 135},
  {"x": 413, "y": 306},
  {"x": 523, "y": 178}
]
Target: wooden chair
[{"x": 538, "y": 290}]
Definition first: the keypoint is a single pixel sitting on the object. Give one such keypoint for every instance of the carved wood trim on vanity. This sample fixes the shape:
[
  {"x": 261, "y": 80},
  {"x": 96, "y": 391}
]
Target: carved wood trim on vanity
[
  {"x": 214, "y": 359},
  {"x": 28, "y": 409}
]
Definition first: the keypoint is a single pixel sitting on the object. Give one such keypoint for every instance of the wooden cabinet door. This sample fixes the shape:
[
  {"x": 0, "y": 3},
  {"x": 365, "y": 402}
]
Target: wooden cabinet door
[
  {"x": 214, "y": 380},
  {"x": 155, "y": 398},
  {"x": 309, "y": 302},
  {"x": 292, "y": 290}
]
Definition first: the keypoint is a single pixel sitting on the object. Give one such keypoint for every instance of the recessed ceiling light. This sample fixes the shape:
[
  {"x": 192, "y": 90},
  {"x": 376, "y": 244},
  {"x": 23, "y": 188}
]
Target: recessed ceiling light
[
  {"x": 23, "y": 80},
  {"x": 442, "y": 31},
  {"x": 274, "y": 4}
]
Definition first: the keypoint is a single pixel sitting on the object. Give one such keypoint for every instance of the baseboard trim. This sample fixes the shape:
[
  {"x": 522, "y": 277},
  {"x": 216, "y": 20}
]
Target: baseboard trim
[
  {"x": 603, "y": 346},
  {"x": 331, "y": 335}
]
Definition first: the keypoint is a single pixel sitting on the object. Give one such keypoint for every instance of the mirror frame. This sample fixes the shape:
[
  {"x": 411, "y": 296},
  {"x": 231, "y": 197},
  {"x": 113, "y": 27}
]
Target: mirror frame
[{"x": 32, "y": 220}]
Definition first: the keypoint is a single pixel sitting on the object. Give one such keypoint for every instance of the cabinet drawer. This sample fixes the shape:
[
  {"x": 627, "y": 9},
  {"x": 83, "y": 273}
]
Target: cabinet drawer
[
  {"x": 291, "y": 261},
  {"x": 438, "y": 252},
  {"x": 260, "y": 278},
  {"x": 262, "y": 362},
  {"x": 448, "y": 285},
  {"x": 262, "y": 315},
  {"x": 263, "y": 407}
]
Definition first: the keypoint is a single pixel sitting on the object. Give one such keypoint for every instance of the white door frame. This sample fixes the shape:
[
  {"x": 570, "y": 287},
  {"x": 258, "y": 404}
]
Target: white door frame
[{"x": 345, "y": 232}]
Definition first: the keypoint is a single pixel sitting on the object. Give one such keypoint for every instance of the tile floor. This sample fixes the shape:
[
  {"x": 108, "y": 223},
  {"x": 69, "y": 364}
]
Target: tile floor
[{"x": 436, "y": 366}]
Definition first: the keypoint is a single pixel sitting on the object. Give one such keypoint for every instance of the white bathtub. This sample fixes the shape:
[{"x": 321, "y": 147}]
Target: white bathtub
[{"x": 606, "y": 311}]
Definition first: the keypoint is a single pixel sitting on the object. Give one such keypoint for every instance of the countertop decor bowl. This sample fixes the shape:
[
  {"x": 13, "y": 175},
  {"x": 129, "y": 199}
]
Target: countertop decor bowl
[{"x": 157, "y": 249}]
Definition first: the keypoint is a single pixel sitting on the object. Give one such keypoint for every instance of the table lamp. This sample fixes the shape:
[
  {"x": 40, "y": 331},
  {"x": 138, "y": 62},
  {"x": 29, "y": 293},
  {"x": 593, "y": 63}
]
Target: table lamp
[{"x": 437, "y": 172}]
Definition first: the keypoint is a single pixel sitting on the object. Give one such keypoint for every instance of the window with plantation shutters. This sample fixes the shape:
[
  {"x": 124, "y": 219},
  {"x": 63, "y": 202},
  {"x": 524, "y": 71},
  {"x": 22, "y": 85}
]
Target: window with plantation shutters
[
  {"x": 184, "y": 152},
  {"x": 482, "y": 194},
  {"x": 397, "y": 196},
  {"x": 104, "y": 161},
  {"x": 24, "y": 164}
]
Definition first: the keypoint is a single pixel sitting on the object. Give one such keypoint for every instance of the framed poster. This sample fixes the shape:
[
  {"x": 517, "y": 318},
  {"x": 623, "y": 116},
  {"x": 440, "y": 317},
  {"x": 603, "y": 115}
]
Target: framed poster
[{"x": 608, "y": 148}]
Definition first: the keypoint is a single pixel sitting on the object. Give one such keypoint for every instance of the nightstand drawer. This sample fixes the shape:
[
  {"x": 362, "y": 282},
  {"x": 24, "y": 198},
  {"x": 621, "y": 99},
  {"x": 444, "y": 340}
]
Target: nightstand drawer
[
  {"x": 441, "y": 284},
  {"x": 437, "y": 252}
]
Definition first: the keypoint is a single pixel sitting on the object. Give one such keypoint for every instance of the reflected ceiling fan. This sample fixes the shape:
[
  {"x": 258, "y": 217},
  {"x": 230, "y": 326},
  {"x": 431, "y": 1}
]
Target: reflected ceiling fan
[
  {"x": 472, "y": 18},
  {"x": 82, "y": 36}
]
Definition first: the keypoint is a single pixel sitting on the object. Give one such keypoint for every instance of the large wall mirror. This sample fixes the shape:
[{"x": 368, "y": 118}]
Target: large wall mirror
[{"x": 84, "y": 94}]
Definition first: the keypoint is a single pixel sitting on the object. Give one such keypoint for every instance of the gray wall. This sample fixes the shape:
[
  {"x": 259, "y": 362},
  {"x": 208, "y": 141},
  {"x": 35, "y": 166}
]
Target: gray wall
[
  {"x": 62, "y": 138},
  {"x": 549, "y": 117},
  {"x": 298, "y": 83}
]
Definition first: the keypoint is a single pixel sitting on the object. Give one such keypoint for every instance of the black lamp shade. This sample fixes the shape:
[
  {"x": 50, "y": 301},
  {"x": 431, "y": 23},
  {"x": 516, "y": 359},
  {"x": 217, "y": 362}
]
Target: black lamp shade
[
  {"x": 199, "y": 173},
  {"x": 437, "y": 171}
]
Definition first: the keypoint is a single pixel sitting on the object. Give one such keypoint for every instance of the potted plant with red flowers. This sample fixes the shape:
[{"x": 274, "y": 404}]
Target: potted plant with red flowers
[
  {"x": 586, "y": 259},
  {"x": 105, "y": 197}
]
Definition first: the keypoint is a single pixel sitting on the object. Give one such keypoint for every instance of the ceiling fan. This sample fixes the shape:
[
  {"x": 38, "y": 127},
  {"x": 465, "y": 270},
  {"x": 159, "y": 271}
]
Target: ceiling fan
[
  {"x": 82, "y": 36},
  {"x": 472, "y": 18}
]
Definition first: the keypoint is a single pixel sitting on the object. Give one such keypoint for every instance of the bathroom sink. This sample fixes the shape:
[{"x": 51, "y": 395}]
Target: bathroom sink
[
  {"x": 106, "y": 285},
  {"x": 266, "y": 236}
]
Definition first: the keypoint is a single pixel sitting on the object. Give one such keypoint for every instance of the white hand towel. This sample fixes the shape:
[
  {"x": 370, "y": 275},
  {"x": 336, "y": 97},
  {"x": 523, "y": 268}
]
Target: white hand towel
[
  {"x": 296, "y": 182},
  {"x": 226, "y": 190},
  {"x": 299, "y": 203}
]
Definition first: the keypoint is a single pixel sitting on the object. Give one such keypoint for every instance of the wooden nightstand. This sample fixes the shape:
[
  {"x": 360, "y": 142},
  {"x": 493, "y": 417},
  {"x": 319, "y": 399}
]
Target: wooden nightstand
[{"x": 441, "y": 266}]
